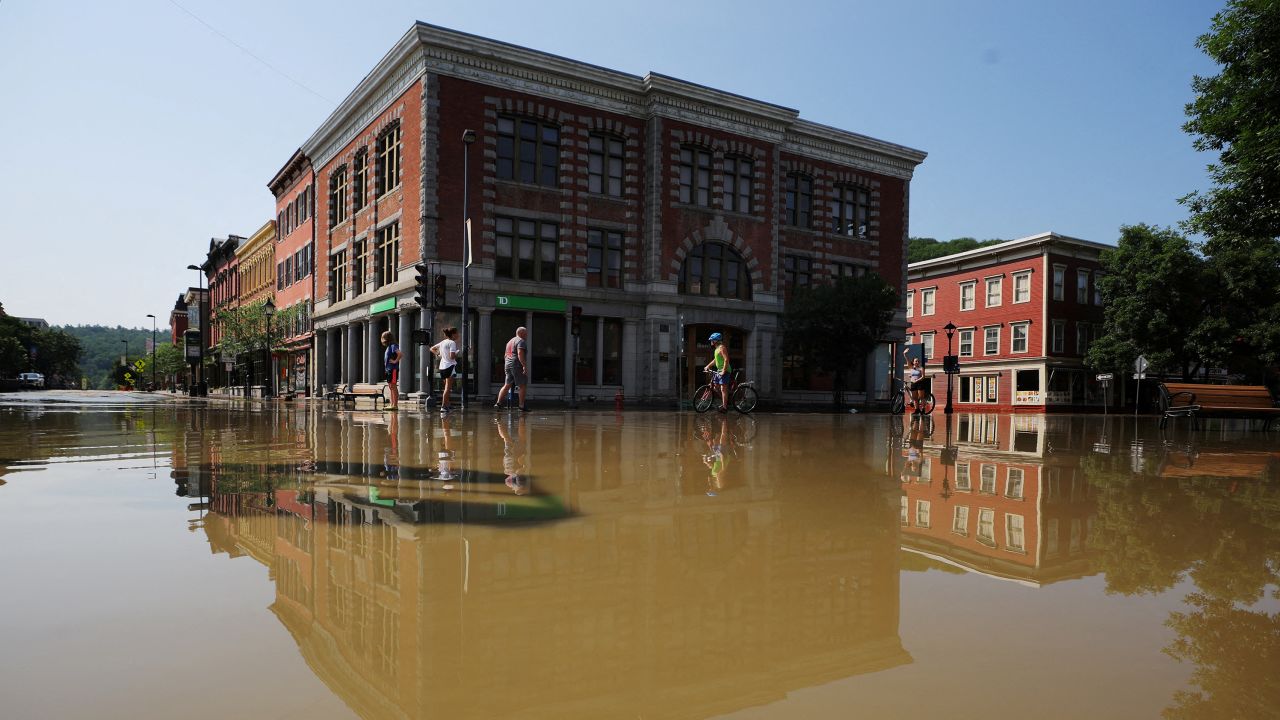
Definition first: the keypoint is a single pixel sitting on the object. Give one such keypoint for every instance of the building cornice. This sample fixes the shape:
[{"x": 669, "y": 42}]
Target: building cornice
[
  {"x": 288, "y": 175},
  {"x": 1026, "y": 247},
  {"x": 261, "y": 238}
]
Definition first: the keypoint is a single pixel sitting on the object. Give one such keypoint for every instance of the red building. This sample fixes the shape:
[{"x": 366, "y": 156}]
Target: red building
[
  {"x": 294, "y": 190},
  {"x": 663, "y": 209},
  {"x": 221, "y": 269},
  {"x": 1025, "y": 312}
]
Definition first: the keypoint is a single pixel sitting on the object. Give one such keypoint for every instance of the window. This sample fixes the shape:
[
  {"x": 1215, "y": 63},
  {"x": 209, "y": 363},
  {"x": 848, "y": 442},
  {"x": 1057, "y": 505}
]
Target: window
[
  {"x": 987, "y": 480},
  {"x": 526, "y": 249},
  {"x": 798, "y": 271},
  {"x": 911, "y": 301},
  {"x": 922, "y": 513},
  {"x": 849, "y": 210},
  {"x": 1059, "y": 336},
  {"x": 1082, "y": 338},
  {"x": 717, "y": 270},
  {"x": 389, "y": 160},
  {"x": 388, "y": 254},
  {"x": 1013, "y": 484},
  {"x": 546, "y": 348},
  {"x": 280, "y": 276},
  {"x": 799, "y": 198},
  {"x": 987, "y": 526},
  {"x": 1022, "y": 287},
  {"x": 338, "y": 276},
  {"x": 966, "y": 343},
  {"x": 991, "y": 340},
  {"x": 611, "y": 352},
  {"x": 1059, "y": 282},
  {"x": 979, "y": 389},
  {"x": 839, "y": 270},
  {"x": 993, "y": 291},
  {"x": 288, "y": 271},
  {"x": 1082, "y": 286},
  {"x": 528, "y": 151},
  {"x": 604, "y": 165},
  {"x": 1013, "y": 533},
  {"x": 338, "y": 197},
  {"x": 1097, "y": 288},
  {"x": 960, "y": 520},
  {"x": 604, "y": 258},
  {"x": 963, "y": 482},
  {"x": 695, "y": 176},
  {"x": 926, "y": 339},
  {"x": 358, "y": 267},
  {"x": 903, "y": 505},
  {"x": 737, "y": 184},
  {"x": 359, "y": 174},
  {"x": 968, "y": 292},
  {"x": 1018, "y": 337},
  {"x": 926, "y": 301}
]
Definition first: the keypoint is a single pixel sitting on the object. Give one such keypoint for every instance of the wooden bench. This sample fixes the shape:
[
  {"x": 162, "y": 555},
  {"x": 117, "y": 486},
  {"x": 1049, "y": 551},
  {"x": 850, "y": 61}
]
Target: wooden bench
[
  {"x": 350, "y": 392},
  {"x": 1194, "y": 401}
]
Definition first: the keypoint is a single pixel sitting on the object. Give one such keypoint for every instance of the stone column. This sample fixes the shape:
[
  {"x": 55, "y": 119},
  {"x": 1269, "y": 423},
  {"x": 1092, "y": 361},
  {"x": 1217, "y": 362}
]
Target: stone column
[
  {"x": 372, "y": 359},
  {"x": 569, "y": 368},
  {"x": 484, "y": 348},
  {"x": 320, "y": 341},
  {"x": 423, "y": 356},
  {"x": 631, "y": 357},
  {"x": 351, "y": 373},
  {"x": 403, "y": 336}
]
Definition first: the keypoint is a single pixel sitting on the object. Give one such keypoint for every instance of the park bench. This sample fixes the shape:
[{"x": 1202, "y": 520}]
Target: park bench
[
  {"x": 350, "y": 392},
  {"x": 1194, "y": 401}
]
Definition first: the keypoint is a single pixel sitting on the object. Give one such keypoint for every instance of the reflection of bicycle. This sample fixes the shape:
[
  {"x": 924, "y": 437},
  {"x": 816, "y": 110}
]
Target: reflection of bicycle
[
  {"x": 742, "y": 395},
  {"x": 900, "y": 399},
  {"x": 742, "y": 431}
]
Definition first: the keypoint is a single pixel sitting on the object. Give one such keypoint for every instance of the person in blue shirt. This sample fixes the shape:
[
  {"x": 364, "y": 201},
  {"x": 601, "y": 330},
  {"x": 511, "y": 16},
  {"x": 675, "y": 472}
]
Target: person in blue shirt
[{"x": 391, "y": 364}]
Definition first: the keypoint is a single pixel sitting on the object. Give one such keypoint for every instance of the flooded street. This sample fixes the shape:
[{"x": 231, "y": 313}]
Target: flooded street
[{"x": 219, "y": 560}]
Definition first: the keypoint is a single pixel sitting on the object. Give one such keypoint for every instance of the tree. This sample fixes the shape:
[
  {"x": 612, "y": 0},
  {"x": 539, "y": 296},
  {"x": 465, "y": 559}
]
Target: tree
[
  {"x": 246, "y": 331},
  {"x": 920, "y": 248},
  {"x": 1234, "y": 114},
  {"x": 834, "y": 326},
  {"x": 1158, "y": 302},
  {"x": 13, "y": 357}
]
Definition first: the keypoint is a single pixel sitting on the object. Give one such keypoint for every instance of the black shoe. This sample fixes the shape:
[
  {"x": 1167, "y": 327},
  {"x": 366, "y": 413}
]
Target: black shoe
[
  {"x": 497, "y": 406},
  {"x": 524, "y": 408}
]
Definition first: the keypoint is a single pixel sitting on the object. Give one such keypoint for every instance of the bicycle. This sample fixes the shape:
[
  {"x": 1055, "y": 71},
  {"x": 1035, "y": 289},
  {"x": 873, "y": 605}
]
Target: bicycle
[
  {"x": 899, "y": 403},
  {"x": 742, "y": 395}
]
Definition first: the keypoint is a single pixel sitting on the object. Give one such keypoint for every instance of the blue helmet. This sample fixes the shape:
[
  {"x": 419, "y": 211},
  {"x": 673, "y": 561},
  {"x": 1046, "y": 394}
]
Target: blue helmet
[{"x": 715, "y": 337}]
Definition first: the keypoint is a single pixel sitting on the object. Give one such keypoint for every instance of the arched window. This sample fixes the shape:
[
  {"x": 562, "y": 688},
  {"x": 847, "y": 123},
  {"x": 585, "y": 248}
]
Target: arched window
[{"x": 717, "y": 270}]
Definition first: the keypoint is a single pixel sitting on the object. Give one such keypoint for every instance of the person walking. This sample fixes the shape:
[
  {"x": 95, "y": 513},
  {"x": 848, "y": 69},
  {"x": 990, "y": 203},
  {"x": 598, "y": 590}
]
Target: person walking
[
  {"x": 720, "y": 360},
  {"x": 515, "y": 368},
  {"x": 447, "y": 351},
  {"x": 391, "y": 364}
]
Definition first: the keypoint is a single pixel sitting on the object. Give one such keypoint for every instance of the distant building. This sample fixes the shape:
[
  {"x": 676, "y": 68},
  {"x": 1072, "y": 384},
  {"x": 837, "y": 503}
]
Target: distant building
[
  {"x": 178, "y": 321},
  {"x": 256, "y": 268},
  {"x": 38, "y": 323},
  {"x": 221, "y": 270},
  {"x": 1025, "y": 312}
]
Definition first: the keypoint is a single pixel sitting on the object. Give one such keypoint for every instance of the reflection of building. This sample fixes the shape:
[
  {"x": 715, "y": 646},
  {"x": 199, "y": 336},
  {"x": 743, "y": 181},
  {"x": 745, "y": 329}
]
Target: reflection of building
[
  {"x": 1008, "y": 507},
  {"x": 1026, "y": 311},
  {"x": 649, "y": 599}
]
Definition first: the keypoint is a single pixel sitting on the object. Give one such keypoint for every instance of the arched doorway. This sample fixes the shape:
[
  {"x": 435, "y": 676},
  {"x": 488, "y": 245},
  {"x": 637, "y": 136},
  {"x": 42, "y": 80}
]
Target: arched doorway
[{"x": 697, "y": 353}]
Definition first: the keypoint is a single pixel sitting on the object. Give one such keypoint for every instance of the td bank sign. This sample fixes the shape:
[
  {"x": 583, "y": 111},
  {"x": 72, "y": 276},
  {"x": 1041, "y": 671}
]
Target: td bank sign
[{"x": 524, "y": 302}]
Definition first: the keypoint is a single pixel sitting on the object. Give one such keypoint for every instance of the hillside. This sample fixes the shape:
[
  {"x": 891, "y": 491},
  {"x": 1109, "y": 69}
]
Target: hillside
[
  {"x": 920, "y": 248},
  {"x": 103, "y": 347}
]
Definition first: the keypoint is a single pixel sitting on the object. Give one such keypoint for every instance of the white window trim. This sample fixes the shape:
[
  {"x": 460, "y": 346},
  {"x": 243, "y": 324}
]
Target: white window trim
[
  {"x": 1008, "y": 478},
  {"x": 986, "y": 291},
  {"x": 933, "y": 291},
  {"x": 972, "y": 342},
  {"x": 1095, "y": 292},
  {"x": 1026, "y": 337},
  {"x": 1059, "y": 297},
  {"x": 973, "y": 284},
  {"x": 995, "y": 479},
  {"x": 1082, "y": 274},
  {"x": 932, "y": 345},
  {"x": 1008, "y": 527},
  {"x": 1020, "y": 274},
  {"x": 911, "y": 301},
  {"x": 984, "y": 340}
]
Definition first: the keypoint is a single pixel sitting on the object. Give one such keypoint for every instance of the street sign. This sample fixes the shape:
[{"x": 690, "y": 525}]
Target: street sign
[
  {"x": 467, "y": 249},
  {"x": 1105, "y": 377},
  {"x": 1140, "y": 365}
]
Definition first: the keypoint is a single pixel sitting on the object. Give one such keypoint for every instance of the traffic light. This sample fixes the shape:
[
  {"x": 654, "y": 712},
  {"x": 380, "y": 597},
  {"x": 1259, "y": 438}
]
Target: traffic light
[
  {"x": 576, "y": 322},
  {"x": 423, "y": 273},
  {"x": 438, "y": 297}
]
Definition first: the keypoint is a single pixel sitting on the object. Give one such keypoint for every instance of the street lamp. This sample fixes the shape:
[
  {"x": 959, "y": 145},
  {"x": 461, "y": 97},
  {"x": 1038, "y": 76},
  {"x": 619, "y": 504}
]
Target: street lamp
[
  {"x": 269, "y": 309},
  {"x": 200, "y": 319},
  {"x": 468, "y": 137},
  {"x": 126, "y": 354},
  {"x": 153, "y": 350},
  {"x": 949, "y": 365}
]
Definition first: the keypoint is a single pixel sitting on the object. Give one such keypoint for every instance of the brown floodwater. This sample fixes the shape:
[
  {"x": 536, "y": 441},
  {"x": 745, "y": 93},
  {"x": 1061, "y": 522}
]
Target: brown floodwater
[{"x": 213, "y": 560}]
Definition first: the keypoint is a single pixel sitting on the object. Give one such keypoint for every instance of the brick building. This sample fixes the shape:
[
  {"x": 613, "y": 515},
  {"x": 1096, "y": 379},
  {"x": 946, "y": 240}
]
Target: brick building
[
  {"x": 665, "y": 210},
  {"x": 221, "y": 271},
  {"x": 294, "y": 189},
  {"x": 1025, "y": 312},
  {"x": 255, "y": 282}
]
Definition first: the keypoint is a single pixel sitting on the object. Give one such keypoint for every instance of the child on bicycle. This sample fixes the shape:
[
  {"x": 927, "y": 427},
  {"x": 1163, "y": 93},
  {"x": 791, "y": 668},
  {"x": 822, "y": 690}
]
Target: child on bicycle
[{"x": 720, "y": 359}]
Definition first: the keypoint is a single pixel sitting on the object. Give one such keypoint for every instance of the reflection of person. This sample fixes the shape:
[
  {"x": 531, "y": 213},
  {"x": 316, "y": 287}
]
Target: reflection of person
[
  {"x": 720, "y": 360},
  {"x": 515, "y": 367},
  {"x": 714, "y": 457},
  {"x": 444, "y": 465},
  {"x": 915, "y": 450},
  {"x": 915, "y": 378},
  {"x": 513, "y": 450},
  {"x": 391, "y": 456},
  {"x": 391, "y": 364},
  {"x": 447, "y": 350}
]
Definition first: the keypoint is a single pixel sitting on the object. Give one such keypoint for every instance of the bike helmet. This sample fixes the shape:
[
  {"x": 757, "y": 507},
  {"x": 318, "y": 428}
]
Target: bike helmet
[{"x": 715, "y": 337}]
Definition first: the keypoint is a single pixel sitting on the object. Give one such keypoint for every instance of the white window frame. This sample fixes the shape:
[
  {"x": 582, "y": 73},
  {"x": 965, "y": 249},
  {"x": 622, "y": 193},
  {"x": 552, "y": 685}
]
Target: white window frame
[
  {"x": 904, "y": 516},
  {"x": 1059, "y": 336},
  {"x": 970, "y": 332},
  {"x": 1097, "y": 289},
  {"x": 964, "y": 481},
  {"x": 924, "y": 509},
  {"x": 1021, "y": 546},
  {"x": 982, "y": 479},
  {"x": 928, "y": 301},
  {"x": 1013, "y": 338},
  {"x": 1009, "y": 478},
  {"x": 911, "y": 302},
  {"x": 972, "y": 287},
  {"x": 1025, "y": 275},
  {"x": 990, "y": 514},
  {"x": 927, "y": 345},
  {"x": 985, "y": 344},
  {"x": 1059, "y": 282},
  {"x": 960, "y": 520},
  {"x": 1082, "y": 287},
  {"x": 998, "y": 283}
]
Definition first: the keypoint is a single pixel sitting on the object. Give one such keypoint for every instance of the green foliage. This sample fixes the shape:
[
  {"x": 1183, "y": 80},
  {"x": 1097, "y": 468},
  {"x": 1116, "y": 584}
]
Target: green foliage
[
  {"x": 245, "y": 329},
  {"x": 834, "y": 326},
  {"x": 1234, "y": 114},
  {"x": 929, "y": 248},
  {"x": 168, "y": 361},
  {"x": 50, "y": 352},
  {"x": 102, "y": 349}
]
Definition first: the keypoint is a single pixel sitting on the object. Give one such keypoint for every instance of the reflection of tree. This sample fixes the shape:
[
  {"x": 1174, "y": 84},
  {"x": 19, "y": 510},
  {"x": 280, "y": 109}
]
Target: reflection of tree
[{"x": 1235, "y": 651}]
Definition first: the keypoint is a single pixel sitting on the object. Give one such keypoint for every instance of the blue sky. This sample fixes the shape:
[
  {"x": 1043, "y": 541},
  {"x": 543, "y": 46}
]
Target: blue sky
[{"x": 133, "y": 133}]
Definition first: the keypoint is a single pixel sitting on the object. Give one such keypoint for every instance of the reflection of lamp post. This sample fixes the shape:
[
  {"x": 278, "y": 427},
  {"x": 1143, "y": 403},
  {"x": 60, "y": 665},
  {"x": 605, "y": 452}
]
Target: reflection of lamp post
[
  {"x": 948, "y": 366},
  {"x": 269, "y": 309},
  {"x": 197, "y": 378},
  {"x": 468, "y": 137},
  {"x": 153, "y": 350}
]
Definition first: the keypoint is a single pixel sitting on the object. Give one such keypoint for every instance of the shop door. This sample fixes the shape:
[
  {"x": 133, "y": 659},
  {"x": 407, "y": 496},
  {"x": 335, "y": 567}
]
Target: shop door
[{"x": 697, "y": 353}]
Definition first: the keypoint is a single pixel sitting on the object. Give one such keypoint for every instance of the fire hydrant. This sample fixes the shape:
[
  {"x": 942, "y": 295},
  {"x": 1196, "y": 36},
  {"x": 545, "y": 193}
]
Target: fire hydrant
[{"x": 617, "y": 400}]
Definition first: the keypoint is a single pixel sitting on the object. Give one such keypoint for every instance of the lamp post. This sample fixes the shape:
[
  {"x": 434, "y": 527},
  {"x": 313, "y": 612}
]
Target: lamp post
[
  {"x": 198, "y": 376},
  {"x": 269, "y": 309},
  {"x": 949, "y": 365},
  {"x": 468, "y": 137},
  {"x": 126, "y": 354},
  {"x": 153, "y": 350}
]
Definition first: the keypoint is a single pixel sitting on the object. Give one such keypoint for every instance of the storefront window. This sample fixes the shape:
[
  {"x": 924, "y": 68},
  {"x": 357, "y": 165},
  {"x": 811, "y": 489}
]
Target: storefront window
[
  {"x": 502, "y": 327},
  {"x": 612, "y": 365},
  {"x": 585, "y": 367},
  {"x": 546, "y": 339}
]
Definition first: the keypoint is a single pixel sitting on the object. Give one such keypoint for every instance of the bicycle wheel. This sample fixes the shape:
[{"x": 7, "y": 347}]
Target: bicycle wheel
[
  {"x": 744, "y": 430},
  {"x": 927, "y": 405},
  {"x": 898, "y": 405},
  {"x": 703, "y": 397},
  {"x": 744, "y": 399}
]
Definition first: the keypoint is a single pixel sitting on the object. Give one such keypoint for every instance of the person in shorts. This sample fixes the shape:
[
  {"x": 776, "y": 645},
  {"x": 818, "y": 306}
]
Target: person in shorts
[
  {"x": 916, "y": 383},
  {"x": 723, "y": 370},
  {"x": 515, "y": 367},
  {"x": 391, "y": 364},
  {"x": 447, "y": 351}
]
